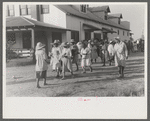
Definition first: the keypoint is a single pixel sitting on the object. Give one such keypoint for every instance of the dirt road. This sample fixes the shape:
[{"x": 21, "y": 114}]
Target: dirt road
[{"x": 103, "y": 81}]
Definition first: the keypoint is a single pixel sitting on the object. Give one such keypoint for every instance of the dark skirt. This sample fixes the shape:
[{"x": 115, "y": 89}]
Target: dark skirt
[{"x": 41, "y": 74}]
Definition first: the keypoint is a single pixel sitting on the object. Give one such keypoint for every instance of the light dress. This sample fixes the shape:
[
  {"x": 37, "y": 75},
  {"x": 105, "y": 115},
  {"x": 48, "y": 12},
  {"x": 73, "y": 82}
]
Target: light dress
[
  {"x": 86, "y": 57},
  {"x": 55, "y": 60},
  {"x": 120, "y": 52},
  {"x": 41, "y": 57},
  {"x": 66, "y": 61}
]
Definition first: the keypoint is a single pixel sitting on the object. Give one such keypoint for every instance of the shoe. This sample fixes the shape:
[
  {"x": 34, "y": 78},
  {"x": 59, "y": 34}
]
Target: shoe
[
  {"x": 45, "y": 84},
  {"x": 83, "y": 72},
  {"x": 38, "y": 87},
  {"x": 57, "y": 76},
  {"x": 62, "y": 78},
  {"x": 91, "y": 69}
]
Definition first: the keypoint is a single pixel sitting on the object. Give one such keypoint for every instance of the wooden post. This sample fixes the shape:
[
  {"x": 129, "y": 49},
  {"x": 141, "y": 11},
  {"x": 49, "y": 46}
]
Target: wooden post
[{"x": 33, "y": 43}]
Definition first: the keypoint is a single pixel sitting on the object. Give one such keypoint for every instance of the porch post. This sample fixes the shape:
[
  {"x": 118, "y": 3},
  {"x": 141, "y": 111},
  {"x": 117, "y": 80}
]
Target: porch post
[
  {"x": 92, "y": 35},
  {"x": 68, "y": 36},
  {"x": 33, "y": 43}
]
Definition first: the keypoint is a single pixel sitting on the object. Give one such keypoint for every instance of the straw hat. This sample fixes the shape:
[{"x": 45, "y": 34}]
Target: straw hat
[
  {"x": 110, "y": 41},
  {"x": 72, "y": 40},
  {"x": 89, "y": 41},
  {"x": 40, "y": 46},
  {"x": 56, "y": 42},
  {"x": 64, "y": 44},
  {"x": 117, "y": 38}
]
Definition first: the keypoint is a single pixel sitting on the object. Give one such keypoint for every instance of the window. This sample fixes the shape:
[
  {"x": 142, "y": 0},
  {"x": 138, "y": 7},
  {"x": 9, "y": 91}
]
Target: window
[
  {"x": 25, "y": 9},
  {"x": 105, "y": 17},
  {"x": 127, "y": 33},
  {"x": 44, "y": 9},
  {"x": 75, "y": 35},
  {"x": 118, "y": 32},
  {"x": 83, "y": 8},
  {"x": 112, "y": 30},
  {"x": 11, "y": 38},
  {"x": 118, "y": 21},
  {"x": 10, "y": 10}
]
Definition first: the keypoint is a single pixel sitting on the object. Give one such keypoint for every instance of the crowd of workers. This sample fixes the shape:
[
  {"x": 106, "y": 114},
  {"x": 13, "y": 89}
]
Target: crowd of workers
[{"x": 63, "y": 55}]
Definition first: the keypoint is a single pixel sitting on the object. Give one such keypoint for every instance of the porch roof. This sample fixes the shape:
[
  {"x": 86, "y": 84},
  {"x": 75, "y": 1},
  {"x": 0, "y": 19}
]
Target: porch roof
[
  {"x": 16, "y": 22},
  {"x": 106, "y": 30},
  {"x": 91, "y": 27}
]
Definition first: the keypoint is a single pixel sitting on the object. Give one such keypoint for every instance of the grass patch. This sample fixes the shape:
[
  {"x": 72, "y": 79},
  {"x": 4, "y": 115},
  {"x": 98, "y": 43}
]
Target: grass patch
[
  {"x": 20, "y": 62},
  {"x": 126, "y": 93}
]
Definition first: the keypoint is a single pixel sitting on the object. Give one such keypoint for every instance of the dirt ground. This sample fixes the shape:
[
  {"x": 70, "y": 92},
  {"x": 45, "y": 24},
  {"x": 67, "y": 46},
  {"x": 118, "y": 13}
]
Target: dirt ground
[{"x": 103, "y": 81}]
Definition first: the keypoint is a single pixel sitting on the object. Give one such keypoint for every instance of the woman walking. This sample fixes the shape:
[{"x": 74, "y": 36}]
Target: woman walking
[
  {"x": 111, "y": 52},
  {"x": 86, "y": 60},
  {"x": 66, "y": 59},
  {"x": 55, "y": 56},
  {"x": 41, "y": 63},
  {"x": 121, "y": 54},
  {"x": 94, "y": 54}
]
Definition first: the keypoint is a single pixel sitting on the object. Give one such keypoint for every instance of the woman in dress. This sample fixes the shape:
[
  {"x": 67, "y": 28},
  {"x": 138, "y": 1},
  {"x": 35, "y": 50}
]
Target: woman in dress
[
  {"x": 66, "y": 59},
  {"x": 121, "y": 54},
  {"x": 41, "y": 63},
  {"x": 86, "y": 59},
  {"x": 94, "y": 54},
  {"x": 111, "y": 52},
  {"x": 135, "y": 46},
  {"x": 55, "y": 56}
]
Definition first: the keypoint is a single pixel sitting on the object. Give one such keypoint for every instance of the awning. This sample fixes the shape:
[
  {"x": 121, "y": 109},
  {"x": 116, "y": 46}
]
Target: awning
[
  {"x": 106, "y": 30},
  {"x": 22, "y": 22},
  {"x": 90, "y": 27}
]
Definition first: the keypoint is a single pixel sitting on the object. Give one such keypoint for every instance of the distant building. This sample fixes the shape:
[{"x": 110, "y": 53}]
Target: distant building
[{"x": 28, "y": 24}]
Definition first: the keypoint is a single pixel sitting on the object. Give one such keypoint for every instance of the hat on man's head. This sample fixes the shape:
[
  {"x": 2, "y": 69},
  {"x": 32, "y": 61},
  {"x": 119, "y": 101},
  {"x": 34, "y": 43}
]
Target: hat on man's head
[
  {"x": 64, "y": 44},
  {"x": 110, "y": 41},
  {"x": 39, "y": 46},
  {"x": 72, "y": 40},
  {"x": 56, "y": 41},
  {"x": 89, "y": 41},
  {"x": 117, "y": 38}
]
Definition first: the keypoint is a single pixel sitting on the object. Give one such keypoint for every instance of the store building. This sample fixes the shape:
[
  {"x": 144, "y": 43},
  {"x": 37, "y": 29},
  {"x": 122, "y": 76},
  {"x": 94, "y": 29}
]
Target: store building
[{"x": 28, "y": 24}]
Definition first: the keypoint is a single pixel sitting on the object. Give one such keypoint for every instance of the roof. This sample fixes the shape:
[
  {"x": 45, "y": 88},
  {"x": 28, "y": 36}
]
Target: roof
[
  {"x": 99, "y": 9},
  {"x": 26, "y": 22},
  {"x": 68, "y": 9},
  {"x": 108, "y": 30},
  {"x": 119, "y": 15}
]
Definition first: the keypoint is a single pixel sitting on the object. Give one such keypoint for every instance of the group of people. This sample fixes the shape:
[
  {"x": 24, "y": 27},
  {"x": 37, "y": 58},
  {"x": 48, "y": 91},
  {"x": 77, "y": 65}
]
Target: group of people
[
  {"x": 63, "y": 55},
  {"x": 135, "y": 46}
]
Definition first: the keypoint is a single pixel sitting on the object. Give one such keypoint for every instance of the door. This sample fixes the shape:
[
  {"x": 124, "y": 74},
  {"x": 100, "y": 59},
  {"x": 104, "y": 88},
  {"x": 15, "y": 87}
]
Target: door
[
  {"x": 87, "y": 35},
  {"x": 75, "y": 36},
  {"x": 97, "y": 36},
  {"x": 56, "y": 36},
  {"x": 26, "y": 40}
]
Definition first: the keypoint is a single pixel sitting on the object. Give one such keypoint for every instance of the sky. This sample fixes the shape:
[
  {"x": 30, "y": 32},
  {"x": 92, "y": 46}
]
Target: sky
[{"x": 135, "y": 13}]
